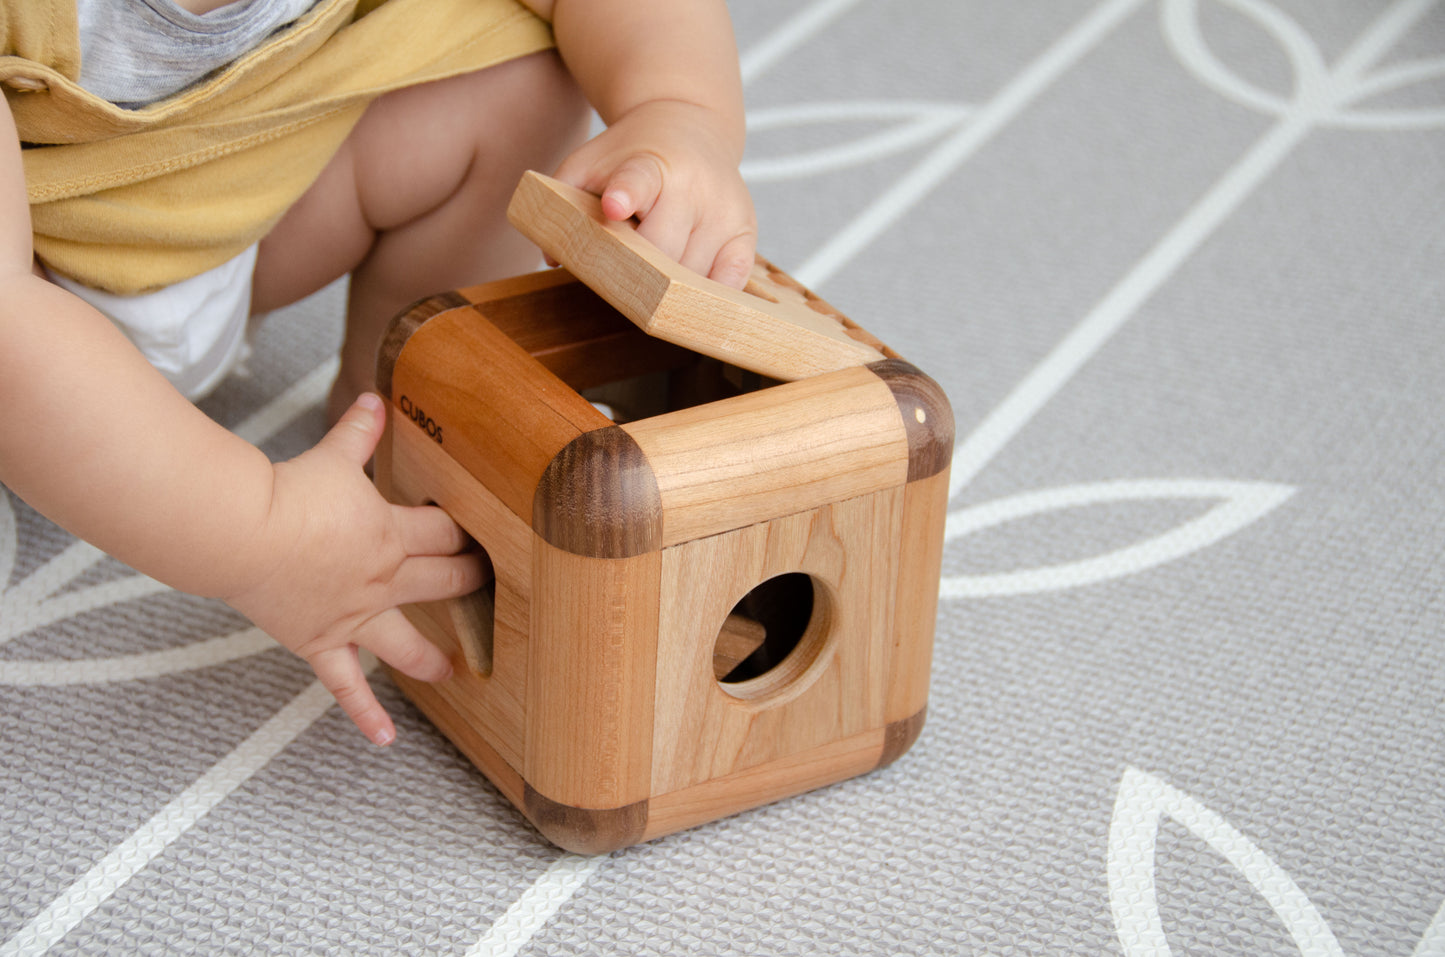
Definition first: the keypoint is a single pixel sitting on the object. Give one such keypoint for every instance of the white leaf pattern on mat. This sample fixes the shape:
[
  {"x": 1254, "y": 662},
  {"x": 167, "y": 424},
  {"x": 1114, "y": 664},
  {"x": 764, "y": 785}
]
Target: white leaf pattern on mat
[
  {"x": 1320, "y": 94},
  {"x": 1142, "y": 799},
  {"x": 151, "y": 664},
  {"x": 910, "y": 123},
  {"x": 132, "y": 855},
  {"x": 1240, "y": 503},
  {"x": 1186, "y": 39},
  {"x": 1388, "y": 81},
  {"x": 1142, "y": 802},
  {"x": 33, "y": 603}
]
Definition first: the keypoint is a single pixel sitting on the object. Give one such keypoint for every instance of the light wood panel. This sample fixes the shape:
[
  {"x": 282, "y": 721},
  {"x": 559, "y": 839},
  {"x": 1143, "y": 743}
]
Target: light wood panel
[
  {"x": 770, "y": 282},
  {"x": 758, "y": 456},
  {"x": 915, "y": 599},
  {"x": 850, "y": 549},
  {"x": 784, "y": 777},
  {"x": 591, "y": 676},
  {"x": 784, "y": 339}
]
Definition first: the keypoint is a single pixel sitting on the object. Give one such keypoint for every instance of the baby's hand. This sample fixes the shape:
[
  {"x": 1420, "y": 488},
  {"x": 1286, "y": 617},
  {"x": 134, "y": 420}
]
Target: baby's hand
[
  {"x": 342, "y": 558},
  {"x": 667, "y": 163}
]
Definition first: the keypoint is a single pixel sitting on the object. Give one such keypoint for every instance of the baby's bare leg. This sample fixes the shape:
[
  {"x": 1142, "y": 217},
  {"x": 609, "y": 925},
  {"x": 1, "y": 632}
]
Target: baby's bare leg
[{"x": 415, "y": 201}]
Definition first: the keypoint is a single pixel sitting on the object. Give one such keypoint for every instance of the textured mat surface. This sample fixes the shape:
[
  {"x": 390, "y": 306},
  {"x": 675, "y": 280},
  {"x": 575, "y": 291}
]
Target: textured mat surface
[{"x": 1181, "y": 269}]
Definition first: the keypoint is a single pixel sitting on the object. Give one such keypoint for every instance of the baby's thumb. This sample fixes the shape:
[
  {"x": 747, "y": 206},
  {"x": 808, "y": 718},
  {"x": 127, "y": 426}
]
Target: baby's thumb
[{"x": 355, "y": 435}]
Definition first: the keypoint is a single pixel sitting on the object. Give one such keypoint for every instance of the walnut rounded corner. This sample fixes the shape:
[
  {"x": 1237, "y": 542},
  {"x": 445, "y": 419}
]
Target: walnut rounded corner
[
  {"x": 901, "y": 735},
  {"x": 599, "y": 498},
  {"x": 403, "y": 326},
  {"x": 585, "y": 830},
  {"x": 927, "y": 416}
]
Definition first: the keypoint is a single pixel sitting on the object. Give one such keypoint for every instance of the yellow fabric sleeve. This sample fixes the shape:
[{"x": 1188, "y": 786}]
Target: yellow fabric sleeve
[{"x": 133, "y": 200}]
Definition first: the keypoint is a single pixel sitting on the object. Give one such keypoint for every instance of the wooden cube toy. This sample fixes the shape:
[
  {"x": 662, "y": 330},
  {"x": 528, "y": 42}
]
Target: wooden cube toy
[{"x": 720, "y": 595}]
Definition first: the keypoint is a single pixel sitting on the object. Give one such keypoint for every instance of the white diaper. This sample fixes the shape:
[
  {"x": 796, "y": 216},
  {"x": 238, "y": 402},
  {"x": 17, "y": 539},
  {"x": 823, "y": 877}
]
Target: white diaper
[{"x": 193, "y": 332}]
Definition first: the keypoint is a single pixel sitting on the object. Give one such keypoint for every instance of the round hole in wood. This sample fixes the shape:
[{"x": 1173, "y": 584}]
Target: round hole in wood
[{"x": 772, "y": 636}]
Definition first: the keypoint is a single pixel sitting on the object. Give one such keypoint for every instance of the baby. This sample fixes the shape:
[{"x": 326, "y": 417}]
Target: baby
[{"x": 98, "y": 439}]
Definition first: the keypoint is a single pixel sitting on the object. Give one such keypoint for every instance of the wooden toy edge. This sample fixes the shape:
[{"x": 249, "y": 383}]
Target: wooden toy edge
[{"x": 927, "y": 420}]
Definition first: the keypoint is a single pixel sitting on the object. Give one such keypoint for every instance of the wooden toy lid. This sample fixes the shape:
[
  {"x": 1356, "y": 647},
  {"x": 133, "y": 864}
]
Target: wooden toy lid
[{"x": 768, "y": 329}]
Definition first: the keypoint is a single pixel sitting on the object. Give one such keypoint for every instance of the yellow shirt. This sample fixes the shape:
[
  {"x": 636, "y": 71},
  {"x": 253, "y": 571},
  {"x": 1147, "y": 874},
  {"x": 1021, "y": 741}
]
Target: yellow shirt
[{"x": 133, "y": 200}]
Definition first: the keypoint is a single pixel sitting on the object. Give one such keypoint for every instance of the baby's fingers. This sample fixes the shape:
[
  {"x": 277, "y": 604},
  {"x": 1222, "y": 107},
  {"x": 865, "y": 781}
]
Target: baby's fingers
[
  {"x": 732, "y": 265},
  {"x": 339, "y": 670},
  {"x": 669, "y": 226},
  {"x": 435, "y": 577},
  {"x": 429, "y": 531},
  {"x": 396, "y": 641}
]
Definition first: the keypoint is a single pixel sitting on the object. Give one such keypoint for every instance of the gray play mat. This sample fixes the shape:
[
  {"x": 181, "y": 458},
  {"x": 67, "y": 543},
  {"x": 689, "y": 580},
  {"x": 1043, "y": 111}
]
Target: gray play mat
[{"x": 1180, "y": 265}]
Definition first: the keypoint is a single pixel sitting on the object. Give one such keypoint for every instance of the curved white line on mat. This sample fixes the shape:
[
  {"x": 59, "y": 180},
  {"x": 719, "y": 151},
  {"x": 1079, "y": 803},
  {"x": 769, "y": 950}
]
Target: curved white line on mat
[
  {"x": 914, "y": 122},
  {"x": 1388, "y": 118},
  {"x": 21, "y": 606},
  {"x": 305, "y": 393},
  {"x": 1180, "y": 20},
  {"x": 793, "y": 33},
  {"x": 533, "y": 909},
  {"x": 132, "y": 855},
  {"x": 1142, "y": 802},
  {"x": 1387, "y": 81},
  {"x": 1120, "y": 304},
  {"x": 1432, "y": 942},
  {"x": 1318, "y": 92},
  {"x": 20, "y": 615},
  {"x": 1397, "y": 77},
  {"x": 1240, "y": 504},
  {"x": 1016, "y": 96},
  {"x": 151, "y": 664},
  {"x": 1400, "y": 120}
]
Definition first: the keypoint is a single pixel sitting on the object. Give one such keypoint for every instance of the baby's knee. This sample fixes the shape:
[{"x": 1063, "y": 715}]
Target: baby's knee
[
  {"x": 545, "y": 106},
  {"x": 524, "y": 113}
]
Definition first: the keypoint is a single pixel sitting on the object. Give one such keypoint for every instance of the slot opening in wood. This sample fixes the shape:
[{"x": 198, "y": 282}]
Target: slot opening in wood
[
  {"x": 470, "y": 621},
  {"x": 697, "y": 382},
  {"x": 602, "y": 356}
]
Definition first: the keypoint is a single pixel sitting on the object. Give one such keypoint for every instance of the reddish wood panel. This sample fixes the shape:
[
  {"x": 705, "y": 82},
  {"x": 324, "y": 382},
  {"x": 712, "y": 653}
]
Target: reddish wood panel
[
  {"x": 495, "y": 410},
  {"x": 418, "y": 471}
]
